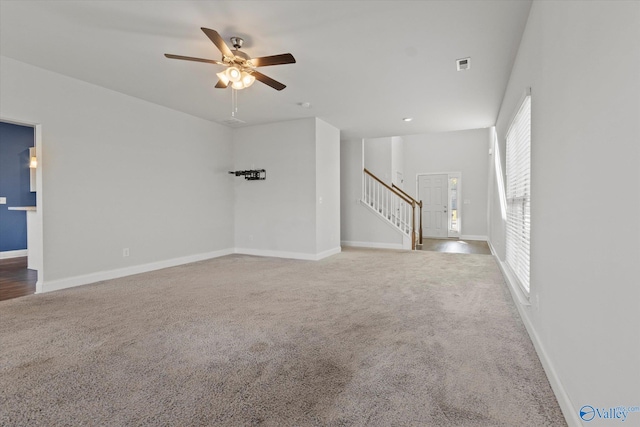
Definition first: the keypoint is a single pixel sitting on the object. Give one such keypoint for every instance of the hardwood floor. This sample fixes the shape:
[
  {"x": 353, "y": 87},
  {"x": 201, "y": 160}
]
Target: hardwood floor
[
  {"x": 15, "y": 279},
  {"x": 455, "y": 246}
]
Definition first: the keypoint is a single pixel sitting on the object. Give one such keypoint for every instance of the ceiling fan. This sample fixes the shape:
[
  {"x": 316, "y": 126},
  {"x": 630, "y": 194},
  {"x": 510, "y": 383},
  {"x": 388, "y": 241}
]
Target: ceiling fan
[{"x": 241, "y": 68}]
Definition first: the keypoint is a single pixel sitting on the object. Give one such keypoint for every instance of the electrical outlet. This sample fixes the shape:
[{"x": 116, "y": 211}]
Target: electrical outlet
[
  {"x": 125, "y": 252},
  {"x": 3, "y": 200}
]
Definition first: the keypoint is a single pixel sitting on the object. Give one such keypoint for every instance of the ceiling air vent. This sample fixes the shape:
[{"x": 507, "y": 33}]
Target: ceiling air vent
[{"x": 463, "y": 64}]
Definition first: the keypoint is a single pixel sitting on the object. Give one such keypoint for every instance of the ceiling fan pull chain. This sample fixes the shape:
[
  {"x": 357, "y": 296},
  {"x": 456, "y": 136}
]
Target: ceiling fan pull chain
[{"x": 234, "y": 102}]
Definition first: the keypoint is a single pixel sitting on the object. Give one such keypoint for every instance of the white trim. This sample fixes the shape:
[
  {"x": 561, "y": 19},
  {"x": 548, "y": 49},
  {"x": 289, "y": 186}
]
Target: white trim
[
  {"x": 13, "y": 254},
  {"x": 473, "y": 237},
  {"x": 285, "y": 254},
  {"x": 514, "y": 109},
  {"x": 493, "y": 251},
  {"x": 459, "y": 200},
  {"x": 373, "y": 245},
  {"x": 38, "y": 251},
  {"x": 566, "y": 406},
  {"x": 328, "y": 253},
  {"x": 382, "y": 218},
  {"x": 516, "y": 290},
  {"x": 523, "y": 304},
  {"x": 70, "y": 282}
]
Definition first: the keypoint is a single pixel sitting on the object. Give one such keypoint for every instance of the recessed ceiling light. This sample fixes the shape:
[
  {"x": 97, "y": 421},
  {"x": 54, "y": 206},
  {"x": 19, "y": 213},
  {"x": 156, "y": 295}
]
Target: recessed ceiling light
[{"x": 407, "y": 119}]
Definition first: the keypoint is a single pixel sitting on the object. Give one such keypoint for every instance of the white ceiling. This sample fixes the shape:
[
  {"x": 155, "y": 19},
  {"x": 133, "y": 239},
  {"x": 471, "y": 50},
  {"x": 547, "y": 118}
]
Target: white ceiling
[{"x": 363, "y": 65}]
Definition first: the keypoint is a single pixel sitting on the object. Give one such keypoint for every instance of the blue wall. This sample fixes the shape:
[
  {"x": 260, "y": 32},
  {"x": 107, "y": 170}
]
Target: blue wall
[{"x": 14, "y": 184}]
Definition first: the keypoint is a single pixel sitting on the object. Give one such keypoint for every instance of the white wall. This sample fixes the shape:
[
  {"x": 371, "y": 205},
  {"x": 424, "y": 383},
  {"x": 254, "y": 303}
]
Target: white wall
[
  {"x": 581, "y": 60},
  {"x": 120, "y": 172},
  {"x": 397, "y": 160},
  {"x": 327, "y": 187},
  {"x": 462, "y": 151},
  {"x": 279, "y": 216},
  {"x": 359, "y": 226},
  {"x": 378, "y": 157}
]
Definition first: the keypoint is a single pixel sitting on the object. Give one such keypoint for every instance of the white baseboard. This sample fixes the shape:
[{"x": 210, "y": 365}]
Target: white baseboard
[
  {"x": 70, "y": 282},
  {"x": 373, "y": 245},
  {"x": 328, "y": 253},
  {"x": 13, "y": 254},
  {"x": 285, "y": 254},
  {"x": 473, "y": 237},
  {"x": 493, "y": 251},
  {"x": 522, "y": 304}
]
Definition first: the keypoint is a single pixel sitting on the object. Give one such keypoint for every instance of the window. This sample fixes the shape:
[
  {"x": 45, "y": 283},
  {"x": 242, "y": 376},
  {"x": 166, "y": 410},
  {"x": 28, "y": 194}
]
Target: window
[
  {"x": 454, "y": 213},
  {"x": 519, "y": 194}
]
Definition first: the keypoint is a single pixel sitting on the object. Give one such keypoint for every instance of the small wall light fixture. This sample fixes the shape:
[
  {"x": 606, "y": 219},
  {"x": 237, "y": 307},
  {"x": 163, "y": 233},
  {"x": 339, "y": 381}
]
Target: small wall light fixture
[{"x": 33, "y": 160}]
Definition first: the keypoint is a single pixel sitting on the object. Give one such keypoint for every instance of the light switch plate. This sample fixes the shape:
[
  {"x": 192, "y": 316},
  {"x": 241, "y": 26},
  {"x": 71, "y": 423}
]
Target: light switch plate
[{"x": 3, "y": 200}]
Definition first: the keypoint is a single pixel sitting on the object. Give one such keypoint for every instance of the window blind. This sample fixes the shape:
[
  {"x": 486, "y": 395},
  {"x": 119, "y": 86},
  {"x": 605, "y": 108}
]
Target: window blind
[{"x": 519, "y": 194}]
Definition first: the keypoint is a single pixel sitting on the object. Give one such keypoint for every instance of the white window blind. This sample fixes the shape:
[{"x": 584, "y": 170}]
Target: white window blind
[{"x": 519, "y": 194}]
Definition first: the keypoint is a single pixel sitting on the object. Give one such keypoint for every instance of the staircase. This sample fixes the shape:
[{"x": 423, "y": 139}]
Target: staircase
[{"x": 394, "y": 206}]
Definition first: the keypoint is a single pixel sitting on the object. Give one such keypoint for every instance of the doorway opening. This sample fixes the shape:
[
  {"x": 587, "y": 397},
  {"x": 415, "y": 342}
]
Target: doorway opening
[
  {"x": 17, "y": 268},
  {"x": 440, "y": 194}
]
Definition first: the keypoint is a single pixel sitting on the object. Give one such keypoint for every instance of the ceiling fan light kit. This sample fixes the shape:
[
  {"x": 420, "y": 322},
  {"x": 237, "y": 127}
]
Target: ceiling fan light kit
[
  {"x": 241, "y": 68},
  {"x": 234, "y": 74}
]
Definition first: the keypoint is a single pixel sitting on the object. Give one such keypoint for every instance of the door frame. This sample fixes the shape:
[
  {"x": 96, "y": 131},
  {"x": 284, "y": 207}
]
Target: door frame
[
  {"x": 459, "y": 199},
  {"x": 37, "y": 135}
]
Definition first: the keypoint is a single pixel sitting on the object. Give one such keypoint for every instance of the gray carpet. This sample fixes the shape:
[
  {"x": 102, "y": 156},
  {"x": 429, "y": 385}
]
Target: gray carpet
[{"x": 364, "y": 338}]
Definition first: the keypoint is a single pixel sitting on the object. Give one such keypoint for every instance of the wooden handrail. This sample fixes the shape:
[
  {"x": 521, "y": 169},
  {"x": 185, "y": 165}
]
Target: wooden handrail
[
  {"x": 419, "y": 203},
  {"x": 408, "y": 200}
]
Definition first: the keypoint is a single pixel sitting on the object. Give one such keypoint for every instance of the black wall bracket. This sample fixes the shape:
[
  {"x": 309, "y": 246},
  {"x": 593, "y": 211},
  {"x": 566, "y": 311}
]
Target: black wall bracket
[{"x": 251, "y": 175}]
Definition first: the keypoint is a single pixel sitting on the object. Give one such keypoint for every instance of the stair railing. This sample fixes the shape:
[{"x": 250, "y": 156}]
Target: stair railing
[
  {"x": 419, "y": 204},
  {"x": 393, "y": 205}
]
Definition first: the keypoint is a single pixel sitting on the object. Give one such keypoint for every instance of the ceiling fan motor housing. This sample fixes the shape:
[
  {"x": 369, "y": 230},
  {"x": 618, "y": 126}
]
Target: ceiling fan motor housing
[
  {"x": 237, "y": 42},
  {"x": 241, "y": 54}
]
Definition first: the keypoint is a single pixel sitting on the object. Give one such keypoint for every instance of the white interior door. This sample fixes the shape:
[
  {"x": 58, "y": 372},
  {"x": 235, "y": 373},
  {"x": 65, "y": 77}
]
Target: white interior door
[{"x": 433, "y": 191}]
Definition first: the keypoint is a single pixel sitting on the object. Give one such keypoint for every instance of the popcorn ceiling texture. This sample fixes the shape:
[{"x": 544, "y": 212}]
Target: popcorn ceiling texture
[{"x": 363, "y": 338}]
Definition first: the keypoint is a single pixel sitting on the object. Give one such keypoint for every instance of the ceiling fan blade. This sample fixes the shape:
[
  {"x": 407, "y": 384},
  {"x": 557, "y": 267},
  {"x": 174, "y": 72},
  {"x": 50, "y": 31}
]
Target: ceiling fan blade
[
  {"x": 217, "y": 40},
  {"x": 221, "y": 84},
  {"x": 189, "y": 58},
  {"x": 285, "y": 58},
  {"x": 268, "y": 81}
]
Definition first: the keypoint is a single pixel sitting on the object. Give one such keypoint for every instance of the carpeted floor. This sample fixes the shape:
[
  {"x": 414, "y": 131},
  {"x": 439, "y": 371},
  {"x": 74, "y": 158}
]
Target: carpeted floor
[{"x": 363, "y": 338}]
